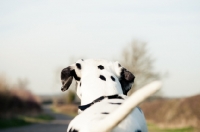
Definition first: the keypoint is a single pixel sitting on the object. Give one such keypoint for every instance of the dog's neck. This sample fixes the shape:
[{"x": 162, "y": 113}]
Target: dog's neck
[
  {"x": 116, "y": 96},
  {"x": 88, "y": 98}
]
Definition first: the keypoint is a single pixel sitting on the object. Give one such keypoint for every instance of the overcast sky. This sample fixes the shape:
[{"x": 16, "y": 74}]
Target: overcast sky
[{"x": 37, "y": 37}]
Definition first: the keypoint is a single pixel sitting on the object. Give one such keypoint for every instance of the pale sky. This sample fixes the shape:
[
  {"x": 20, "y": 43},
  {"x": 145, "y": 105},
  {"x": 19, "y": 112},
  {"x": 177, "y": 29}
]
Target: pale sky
[{"x": 38, "y": 36}]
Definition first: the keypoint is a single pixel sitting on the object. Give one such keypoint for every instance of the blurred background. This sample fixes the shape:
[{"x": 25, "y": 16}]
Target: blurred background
[{"x": 153, "y": 39}]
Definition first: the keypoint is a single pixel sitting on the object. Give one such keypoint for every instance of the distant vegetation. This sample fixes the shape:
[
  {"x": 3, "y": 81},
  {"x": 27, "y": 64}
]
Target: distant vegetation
[
  {"x": 16, "y": 101},
  {"x": 66, "y": 104},
  {"x": 18, "y": 106},
  {"x": 23, "y": 120},
  {"x": 173, "y": 113}
]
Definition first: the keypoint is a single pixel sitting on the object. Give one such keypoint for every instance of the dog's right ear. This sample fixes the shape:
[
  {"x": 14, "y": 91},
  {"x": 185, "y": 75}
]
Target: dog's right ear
[
  {"x": 126, "y": 80},
  {"x": 66, "y": 77}
]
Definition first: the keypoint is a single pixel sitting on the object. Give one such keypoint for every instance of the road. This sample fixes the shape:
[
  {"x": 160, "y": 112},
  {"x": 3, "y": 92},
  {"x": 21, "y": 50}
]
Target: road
[{"x": 60, "y": 124}]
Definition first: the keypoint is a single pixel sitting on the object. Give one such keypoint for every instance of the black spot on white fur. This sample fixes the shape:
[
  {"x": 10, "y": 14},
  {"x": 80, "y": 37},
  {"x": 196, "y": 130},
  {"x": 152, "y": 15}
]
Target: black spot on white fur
[
  {"x": 82, "y": 59},
  {"x": 119, "y": 65},
  {"x": 73, "y": 130},
  {"x": 138, "y": 131},
  {"x": 101, "y": 67},
  {"x": 105, "y": 113},
  {"x": 112, "y": 78},
  {"x": 78, "y": 65},
  {"x": 102, "y": 77},
  {"x": 80, "y": 84}
]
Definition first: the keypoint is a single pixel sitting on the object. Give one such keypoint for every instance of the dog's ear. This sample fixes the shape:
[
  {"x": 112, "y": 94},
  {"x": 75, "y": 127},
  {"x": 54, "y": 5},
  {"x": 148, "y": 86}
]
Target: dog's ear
[
  {"x": 66, "y": 77},
  {"x": 126, "y": 80}
]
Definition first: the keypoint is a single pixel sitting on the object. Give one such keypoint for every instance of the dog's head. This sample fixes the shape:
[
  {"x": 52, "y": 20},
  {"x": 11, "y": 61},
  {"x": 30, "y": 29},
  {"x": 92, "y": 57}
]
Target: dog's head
[{"x": 97, "y": 74}]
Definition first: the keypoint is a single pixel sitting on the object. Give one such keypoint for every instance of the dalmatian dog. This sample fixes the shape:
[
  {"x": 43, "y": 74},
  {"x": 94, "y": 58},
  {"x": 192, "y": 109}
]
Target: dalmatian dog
[{"x": 102, "y": 87}]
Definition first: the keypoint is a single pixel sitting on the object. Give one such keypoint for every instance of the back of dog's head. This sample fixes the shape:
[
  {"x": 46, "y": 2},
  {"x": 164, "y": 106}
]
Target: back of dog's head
[{"x": 98, "y": 77}]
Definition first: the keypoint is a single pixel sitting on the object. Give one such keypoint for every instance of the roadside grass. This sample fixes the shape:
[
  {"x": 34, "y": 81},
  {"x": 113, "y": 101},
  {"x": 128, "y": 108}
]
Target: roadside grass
[
  {"x": 71, "y": 114},
  {"x": 14, "y": 122},
  {"x": 24, "y": 120},
  {"x": 151, "y": 126},
  {"x": 154, "y": 128},
  {"x": 63, "y": 110}
]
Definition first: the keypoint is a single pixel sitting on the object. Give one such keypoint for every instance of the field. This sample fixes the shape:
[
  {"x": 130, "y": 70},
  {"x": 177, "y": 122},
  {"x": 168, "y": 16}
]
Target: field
[
  {"x": 71, "y": 110},
  {"x": 153, "y": 128},
  {"x": 24, "y": 120},
  {"x": 174, "y": 113}
]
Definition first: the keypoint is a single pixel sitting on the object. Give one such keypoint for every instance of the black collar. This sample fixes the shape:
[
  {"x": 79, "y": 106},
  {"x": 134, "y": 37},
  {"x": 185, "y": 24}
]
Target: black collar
[{"x": 83, "y": 107}]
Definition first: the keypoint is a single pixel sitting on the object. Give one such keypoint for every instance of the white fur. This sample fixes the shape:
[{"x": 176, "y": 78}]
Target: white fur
[
  {"x": 92, "y": 87},
  {"x": 127, "y": 107}
]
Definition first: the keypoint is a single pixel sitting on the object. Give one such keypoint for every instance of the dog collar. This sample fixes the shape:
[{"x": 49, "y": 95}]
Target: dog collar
[{"x": 83, "y": 107}]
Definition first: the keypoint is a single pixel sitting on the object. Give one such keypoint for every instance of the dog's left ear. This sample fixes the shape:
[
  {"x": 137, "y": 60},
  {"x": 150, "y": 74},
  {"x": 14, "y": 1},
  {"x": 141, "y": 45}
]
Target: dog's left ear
[
  {"x": 66, "y": 77},
  {"x": 126, "y": 80}
]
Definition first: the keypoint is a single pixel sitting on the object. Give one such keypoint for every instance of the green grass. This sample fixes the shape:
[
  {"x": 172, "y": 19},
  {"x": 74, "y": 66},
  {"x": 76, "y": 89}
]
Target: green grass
[
  {"x": 24, "y": 120},
  {"x": 14, "y": 122},
  {"x": 37, "y": 119},
  {"x": 71, "y": 114},
  {"x": 154, "y": 128}
]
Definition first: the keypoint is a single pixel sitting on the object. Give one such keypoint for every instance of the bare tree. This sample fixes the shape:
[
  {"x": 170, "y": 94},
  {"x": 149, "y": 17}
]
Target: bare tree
[
  {"x": 139, "y": 61},
  {"x": 22, "y": 83}
]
